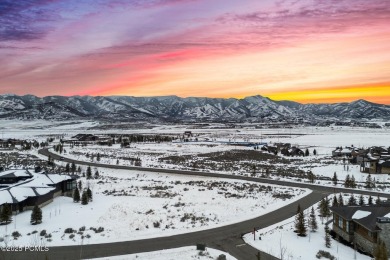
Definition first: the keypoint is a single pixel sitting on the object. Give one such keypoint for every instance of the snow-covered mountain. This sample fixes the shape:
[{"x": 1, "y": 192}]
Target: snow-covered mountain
[{"x": 173, "y": 108}]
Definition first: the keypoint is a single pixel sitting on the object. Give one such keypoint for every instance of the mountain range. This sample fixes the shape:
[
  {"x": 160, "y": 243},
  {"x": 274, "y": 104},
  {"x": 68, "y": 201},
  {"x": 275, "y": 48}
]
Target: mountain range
[{"x": 173, "y": 108}]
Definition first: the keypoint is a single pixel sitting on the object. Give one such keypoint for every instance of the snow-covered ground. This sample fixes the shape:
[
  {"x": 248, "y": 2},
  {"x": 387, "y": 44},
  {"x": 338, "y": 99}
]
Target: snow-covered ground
[
  {"x": 124, "y": 195},
  {"x": 133, "y": 205},
  {"x": 187, "y": 253},
  {"x": 277, "y": 239},
  {"x": 323, "y": 140}
]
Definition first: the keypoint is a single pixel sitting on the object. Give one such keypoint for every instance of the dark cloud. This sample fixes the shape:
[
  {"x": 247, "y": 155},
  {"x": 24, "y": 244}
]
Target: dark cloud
[{"x": 24, "y": 19}]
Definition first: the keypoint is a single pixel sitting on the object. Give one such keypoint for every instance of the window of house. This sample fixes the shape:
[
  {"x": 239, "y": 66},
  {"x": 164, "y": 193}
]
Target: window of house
[
  {"x": 347, "y": 226},
  {"x": 340, "y": 222}
]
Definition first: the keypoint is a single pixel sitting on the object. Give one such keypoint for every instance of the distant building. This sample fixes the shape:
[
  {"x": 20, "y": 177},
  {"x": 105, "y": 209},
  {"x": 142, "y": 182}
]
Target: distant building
[
  {"x": 384, "y": 167},
  {"x": 23, "y": 189},
  {"x": 343, "y": 152},
  {"x": 363, "y": 226},
  {"x": 187, "y": 133},
  {"x": 374, "y": 160}
]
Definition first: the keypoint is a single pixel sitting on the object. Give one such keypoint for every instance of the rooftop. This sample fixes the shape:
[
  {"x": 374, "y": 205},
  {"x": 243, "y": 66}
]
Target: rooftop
[
  {"x": 39, "y": 184},
  {"x": 363, "y": 215}
]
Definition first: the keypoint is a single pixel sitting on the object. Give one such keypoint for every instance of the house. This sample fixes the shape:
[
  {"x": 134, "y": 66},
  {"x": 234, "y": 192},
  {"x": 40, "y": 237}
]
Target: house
[
  {"x": 14, "y": 176},
  {"x": 270, "y": 148},
  {"x": 23, "y": 189},
  {"x": 187, "y": 134},
  {"x": 384, "y": 167},
  {"x": 10, "y": 142},
  {"x": 80, "y": 139},
  {"x": 369, "y": 164},
  {"x": 343, "y": 152},
  {"x": 292, "y": 151},
  {"x": 362, "y": 226}
]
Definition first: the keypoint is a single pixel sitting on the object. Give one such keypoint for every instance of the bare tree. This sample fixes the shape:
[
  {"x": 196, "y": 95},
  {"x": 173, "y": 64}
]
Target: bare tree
[{"x": 282, "y": 248}]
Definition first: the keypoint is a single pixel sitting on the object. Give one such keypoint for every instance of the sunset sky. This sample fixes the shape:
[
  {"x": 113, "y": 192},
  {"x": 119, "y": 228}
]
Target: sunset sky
[{"x": 302, "y": 50}]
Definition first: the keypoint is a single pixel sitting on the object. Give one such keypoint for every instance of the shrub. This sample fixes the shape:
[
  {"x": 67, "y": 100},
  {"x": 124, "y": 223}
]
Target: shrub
[
  {"x": 156, "y": 224},
  {"x": 201, "y": 247},
  {"x": 43, "y": 233},
  {"x": 16, "y": 234},
  {"x": 82, "y": 228},
  {"x": 34, "y": 232},
  {"x": 222, "y": 257},
  {"x": 71, "y": 236},
  {"x": 68, "y": 230},
  {"x": 97, "y": 230},
  {"x": 325, "y": 254}
]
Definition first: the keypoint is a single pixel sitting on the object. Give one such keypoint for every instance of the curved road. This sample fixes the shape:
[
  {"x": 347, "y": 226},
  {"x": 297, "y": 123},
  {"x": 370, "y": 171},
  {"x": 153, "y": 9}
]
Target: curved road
[{"x": 226, "y": 238}]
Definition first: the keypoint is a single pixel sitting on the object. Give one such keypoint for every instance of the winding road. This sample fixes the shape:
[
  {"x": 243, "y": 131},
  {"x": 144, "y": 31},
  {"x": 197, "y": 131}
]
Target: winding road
[{"x": 226, "y": 238}]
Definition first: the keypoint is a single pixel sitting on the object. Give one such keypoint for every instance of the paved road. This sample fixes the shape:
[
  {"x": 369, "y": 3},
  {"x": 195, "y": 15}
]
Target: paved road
[
  {"x": 319, "y": 188},
  {"x": 227, "y": 238}
]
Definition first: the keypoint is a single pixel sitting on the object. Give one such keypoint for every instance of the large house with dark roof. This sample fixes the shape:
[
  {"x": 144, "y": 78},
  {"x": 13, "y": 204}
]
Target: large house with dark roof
[
  {"x": 363, "y": 226},
  {"x": 23, "y": 189}
]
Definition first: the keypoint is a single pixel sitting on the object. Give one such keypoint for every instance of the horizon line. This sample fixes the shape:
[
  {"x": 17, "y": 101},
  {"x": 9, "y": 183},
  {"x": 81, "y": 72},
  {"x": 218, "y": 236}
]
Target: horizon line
[{"x": 184, "y": 97}]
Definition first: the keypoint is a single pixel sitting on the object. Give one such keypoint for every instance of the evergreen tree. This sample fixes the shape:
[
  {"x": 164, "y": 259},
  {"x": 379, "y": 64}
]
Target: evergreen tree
[
  {"x": 307, "y": 152},
  {"x": 353, "y": 182},
  {"x": 368, "y": 181},
  {"x": 378, "y": 200},
  {"x": 347, "y": 182},
  {"x": 6, "y": 214},
  {"x": 67, "y": 168},
  {"x": 335, "y": 203},
  {"x": 297, "y": 218},
  {"x": 96, "y": 174},
  {"x": 36, "y": 215},
  {"x": 311, "y": 176},
  {"x": 341, "y": 200},
  {"x": 370, "y": 202},
  {"x": 89, "y": 173},
  {"x": 313, "y": 221},
  {"x": 76, "y": 195},
  {"x": 334, "y": 179},
  {"x": 361, "y": 200},
  {"x": 324, "y": 207},
  {"x": 89, "y": 194},
  {"x": 98, "y": 157},
  {"x": 315, "y": 152},
  {"x": 73, "y": 167},
  {"x": 79, "y": 169},
  {"x": 301, "y": 224},
  {"x": 84, "y": 198},
  {"x": 352, "y": 200},
  {"x": 327, "y": 237}
]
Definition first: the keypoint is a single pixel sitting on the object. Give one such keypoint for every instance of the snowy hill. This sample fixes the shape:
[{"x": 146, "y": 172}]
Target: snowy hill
[{"x": 173, "y": 108}]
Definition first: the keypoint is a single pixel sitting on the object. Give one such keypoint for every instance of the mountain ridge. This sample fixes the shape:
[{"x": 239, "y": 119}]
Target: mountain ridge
[{"x": 174, "y": 108}]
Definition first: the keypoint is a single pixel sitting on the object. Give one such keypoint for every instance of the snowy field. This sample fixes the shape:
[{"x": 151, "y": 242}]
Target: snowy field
[
  {"x": 187, "y": 253},
  {"x": 323, "y": 140},
  {"x": 130, "y": 205},
  {"x": 276, "y": 239}
]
